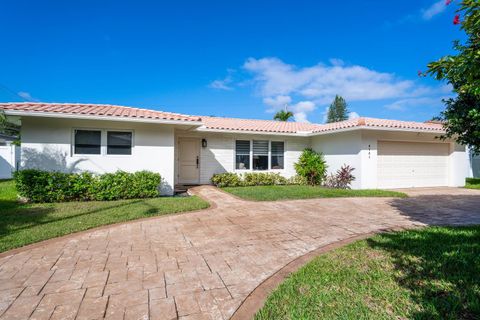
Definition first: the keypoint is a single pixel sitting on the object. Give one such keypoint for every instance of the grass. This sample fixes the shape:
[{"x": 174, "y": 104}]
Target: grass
[
  {"x": 272, "y": 193},
  {"x": 472, "y": 183},
  {"x": 472, "y": 186},
  {"x": 432, "y": 273},
  {"x": 23, "y": 224}
]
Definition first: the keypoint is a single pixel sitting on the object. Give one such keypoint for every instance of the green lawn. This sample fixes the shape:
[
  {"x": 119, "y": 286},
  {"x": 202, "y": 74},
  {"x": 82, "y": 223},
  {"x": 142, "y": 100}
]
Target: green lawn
[
  {"x": 472, "y": 183},
  {"x": 431, "y": 273},
  {"x": 22, "y": 224},
  {"x": 272, "y": 193},
  {"x": 472, "y": 186}
]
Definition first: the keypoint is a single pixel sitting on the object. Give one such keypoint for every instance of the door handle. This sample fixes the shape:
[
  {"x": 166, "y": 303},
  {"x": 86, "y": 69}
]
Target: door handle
[{"x": 198, "y": 161}]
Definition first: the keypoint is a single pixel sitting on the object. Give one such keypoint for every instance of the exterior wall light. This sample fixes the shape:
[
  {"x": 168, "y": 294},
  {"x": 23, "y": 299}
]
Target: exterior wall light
[{"x": 204, "y": 143}]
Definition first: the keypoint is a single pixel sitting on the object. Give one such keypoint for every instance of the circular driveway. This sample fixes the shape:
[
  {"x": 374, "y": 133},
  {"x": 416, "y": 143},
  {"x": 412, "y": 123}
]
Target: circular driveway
[{"x": 201, "y": 265}]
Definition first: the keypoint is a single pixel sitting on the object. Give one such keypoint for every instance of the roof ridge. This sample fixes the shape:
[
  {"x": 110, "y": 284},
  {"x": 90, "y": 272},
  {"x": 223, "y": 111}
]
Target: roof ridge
[
  {"x": 269, "y": 120},
  {"x": 102, "y": 105}
]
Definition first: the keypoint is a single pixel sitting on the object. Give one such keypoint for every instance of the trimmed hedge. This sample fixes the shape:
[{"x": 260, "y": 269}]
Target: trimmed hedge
[
  {"x": 229, "y": 179},
  {"x": 44, "y": 186},
  {"x": 472, "y": 180}
]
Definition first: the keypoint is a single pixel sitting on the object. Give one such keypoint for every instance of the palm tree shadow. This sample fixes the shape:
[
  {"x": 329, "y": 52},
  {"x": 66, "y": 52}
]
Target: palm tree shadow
[{"x": 440, "y": 267}]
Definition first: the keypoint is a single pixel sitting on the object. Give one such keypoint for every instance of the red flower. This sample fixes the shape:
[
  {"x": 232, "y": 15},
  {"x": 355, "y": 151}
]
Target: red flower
[
  {"x": 456, "y": 20},
  {"x": 447, "y": 2}
]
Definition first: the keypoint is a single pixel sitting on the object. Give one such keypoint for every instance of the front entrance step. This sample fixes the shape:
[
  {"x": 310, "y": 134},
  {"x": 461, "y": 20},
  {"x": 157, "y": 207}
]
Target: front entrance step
[{"x": 182, "y": 189}]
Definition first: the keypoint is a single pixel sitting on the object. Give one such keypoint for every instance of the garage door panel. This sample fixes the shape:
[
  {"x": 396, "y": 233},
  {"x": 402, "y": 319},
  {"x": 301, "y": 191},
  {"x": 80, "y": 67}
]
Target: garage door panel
[{"x": 411, "y": 164}]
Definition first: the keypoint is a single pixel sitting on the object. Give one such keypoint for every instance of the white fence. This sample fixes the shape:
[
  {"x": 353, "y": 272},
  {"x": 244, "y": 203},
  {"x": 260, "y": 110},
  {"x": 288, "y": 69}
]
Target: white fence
[{"x": 9, "y": 160}]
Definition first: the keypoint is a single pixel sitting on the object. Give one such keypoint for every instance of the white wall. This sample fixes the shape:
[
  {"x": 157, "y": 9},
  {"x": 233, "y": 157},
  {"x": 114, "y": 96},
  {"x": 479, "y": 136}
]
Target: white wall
[
  {"x": 47, "y": 144},
  {"x": 339, "y": 149},
  {"x": 9, "y": 157},
  {"x": 219, "y": 156}
]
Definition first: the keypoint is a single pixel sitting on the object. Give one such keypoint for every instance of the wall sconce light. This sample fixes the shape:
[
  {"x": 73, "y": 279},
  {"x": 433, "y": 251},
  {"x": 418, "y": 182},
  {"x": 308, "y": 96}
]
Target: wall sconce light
[{"x": 204, "y": 143}]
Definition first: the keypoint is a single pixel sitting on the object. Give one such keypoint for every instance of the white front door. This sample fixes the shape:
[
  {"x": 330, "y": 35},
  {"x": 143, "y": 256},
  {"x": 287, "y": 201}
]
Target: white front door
[{"x": 188, "y": 161}]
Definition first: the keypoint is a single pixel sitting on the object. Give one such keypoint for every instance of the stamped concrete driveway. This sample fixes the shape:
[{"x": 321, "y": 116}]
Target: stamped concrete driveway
[{"x": 200, "y": 265}]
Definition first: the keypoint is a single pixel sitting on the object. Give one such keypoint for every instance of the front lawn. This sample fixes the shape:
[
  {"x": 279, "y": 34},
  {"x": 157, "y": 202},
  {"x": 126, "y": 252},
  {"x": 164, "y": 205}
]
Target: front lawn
[
  {"x": 472, "y": 183},
  {"x": 431, "y": 273},
  {"x": 272, "y": 193},
  {"x": 23, "y": 224}
]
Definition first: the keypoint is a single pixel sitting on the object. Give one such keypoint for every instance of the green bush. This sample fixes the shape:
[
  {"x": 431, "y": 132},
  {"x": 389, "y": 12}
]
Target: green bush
[
  {"x": 298, "y": 180},
  {"x": 262, "y": 179},
  {"x": 312, "y": 166},
  {"x": 472, "y": 180},
  {"x": 43, "y": 186},
  {"x": 229, "y": 179}
]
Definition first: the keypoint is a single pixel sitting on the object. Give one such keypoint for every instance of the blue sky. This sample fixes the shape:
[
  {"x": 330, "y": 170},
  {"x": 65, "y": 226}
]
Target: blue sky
[{"x": 229, "y": 58}]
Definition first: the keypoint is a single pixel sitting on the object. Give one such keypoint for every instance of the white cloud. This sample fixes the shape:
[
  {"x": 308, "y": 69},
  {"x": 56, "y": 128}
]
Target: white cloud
[
  {"x": 353, "y": 115},
  {"x": 221, "y": 84},
  {"x": 278, "y": 82},
  {"x": 404, "y": 104},
  {"x": 435, "y": 9},
  {"x": 277, "y": 103},
  {"x": 225, "y": 83},
  {"x": 301, "y": 109},
  {"x": 26, "y": 96}
]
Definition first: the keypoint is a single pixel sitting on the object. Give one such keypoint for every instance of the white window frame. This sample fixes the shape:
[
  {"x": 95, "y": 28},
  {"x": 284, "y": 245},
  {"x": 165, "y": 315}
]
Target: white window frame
[
  {"x": 118, "y": 130},
  {"x": 83, "y": 154},
  {"x": 103, "y": 143},
  {"x": 270, "y": 154},
  {"x": 251, "y": 155}
]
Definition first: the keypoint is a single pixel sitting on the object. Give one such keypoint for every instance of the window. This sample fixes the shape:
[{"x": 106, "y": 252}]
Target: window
[
  {"x": 242, "y": 158},
  {"x": 119, "y": 142},
  {"x": 87, "y": 141},
  {"x": 260, "y": 154},
  {"x": 277, "y": 149}
]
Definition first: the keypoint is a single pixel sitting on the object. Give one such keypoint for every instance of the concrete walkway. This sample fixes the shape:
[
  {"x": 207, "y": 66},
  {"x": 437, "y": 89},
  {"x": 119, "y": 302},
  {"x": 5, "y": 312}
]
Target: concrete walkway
[{"x": 200, "y": 265}]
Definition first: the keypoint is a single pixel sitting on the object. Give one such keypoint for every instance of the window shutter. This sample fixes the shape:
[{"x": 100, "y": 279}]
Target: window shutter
[
  {"x": 242, "y": 147},
  {"x": 277, "y": 147},
  {"x": 260, "y": 147}
]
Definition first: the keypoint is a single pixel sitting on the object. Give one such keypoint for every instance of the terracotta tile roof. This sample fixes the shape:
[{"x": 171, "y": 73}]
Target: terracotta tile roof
[
  {"x": 218, "y": 123},
  {"x": 381, "y": 123},
  {"x": 106, "y": 110}
]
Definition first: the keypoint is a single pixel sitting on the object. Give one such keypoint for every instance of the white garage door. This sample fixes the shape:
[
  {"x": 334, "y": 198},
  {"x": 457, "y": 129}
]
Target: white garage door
[{"x": 411, "y": 164}]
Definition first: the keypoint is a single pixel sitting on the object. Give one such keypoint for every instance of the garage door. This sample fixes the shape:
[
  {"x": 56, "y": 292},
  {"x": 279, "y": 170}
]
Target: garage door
[{"x": 411, "y": 164}]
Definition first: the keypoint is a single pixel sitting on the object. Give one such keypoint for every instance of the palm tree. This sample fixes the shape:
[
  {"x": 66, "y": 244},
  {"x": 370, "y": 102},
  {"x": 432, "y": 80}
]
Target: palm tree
[{"x": 283, "y": 115}]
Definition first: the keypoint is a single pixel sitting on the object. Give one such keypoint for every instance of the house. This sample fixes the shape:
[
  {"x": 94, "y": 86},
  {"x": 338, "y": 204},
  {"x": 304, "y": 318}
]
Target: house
[
  {"x": 9, "y": 156},
  {"x": 190, "y": 149}
]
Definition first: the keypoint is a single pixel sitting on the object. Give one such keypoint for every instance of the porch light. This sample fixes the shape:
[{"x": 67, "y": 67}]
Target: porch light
[{"x": 204, "y": 143}]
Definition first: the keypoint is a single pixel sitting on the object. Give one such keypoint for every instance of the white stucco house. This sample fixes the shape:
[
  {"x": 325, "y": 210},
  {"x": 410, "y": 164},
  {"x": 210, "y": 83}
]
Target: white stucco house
[{"x": 190, "y": 149}]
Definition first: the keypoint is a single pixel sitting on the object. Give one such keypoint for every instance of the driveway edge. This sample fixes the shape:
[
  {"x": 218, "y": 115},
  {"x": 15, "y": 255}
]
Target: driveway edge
[{"x": 256, "y": 299}]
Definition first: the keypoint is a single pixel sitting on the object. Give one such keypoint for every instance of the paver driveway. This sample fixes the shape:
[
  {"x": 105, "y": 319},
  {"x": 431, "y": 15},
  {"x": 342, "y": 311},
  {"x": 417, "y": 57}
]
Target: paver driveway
[{"x": 200, "y": 264}]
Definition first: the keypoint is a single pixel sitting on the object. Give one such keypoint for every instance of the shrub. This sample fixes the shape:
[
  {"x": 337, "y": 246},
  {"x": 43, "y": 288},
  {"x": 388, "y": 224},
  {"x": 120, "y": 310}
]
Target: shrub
[
  {"x": 227, "y": 179},
  {"x": 342, "y": 179},
  {"x": 472, "y": 180},
  {"x": 44, "y": 186},
  {"x": 298, "y": 180},
  {"x": 312, "y": 166},
  {"x": 263, "y": 179}
]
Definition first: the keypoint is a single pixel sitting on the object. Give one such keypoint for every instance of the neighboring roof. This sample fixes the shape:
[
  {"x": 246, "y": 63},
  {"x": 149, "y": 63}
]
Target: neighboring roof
[
  {"x": 101, "y": 110},
  {"x": 214, "y": 123},
  {"x": 217, "y": 123},
  {"x": 380, "y": 123}
]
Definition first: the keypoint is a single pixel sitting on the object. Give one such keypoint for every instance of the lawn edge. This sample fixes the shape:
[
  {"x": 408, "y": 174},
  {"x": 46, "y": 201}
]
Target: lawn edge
[
  {"x": 298, "y": 199},
  {"x": 46, "y": 242},
  {"x": 256, "y": 299}
]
